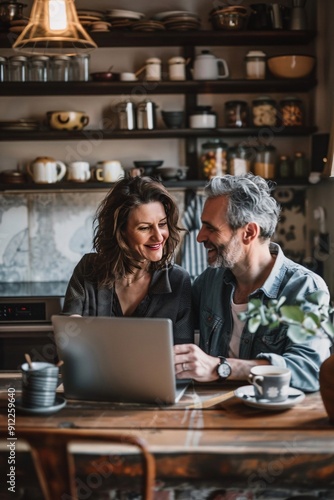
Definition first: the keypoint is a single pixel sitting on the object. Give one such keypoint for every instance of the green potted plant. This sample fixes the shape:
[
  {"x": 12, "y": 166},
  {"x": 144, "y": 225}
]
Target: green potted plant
[{"x": 304, "y": 319}]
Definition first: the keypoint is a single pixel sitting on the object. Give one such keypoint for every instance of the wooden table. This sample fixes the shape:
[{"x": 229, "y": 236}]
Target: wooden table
[{"x": 202, "y": 439}]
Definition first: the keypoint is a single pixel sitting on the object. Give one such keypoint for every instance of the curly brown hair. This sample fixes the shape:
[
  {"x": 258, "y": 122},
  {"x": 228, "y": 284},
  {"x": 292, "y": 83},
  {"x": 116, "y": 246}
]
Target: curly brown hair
[{"x": 114, "y": 257}]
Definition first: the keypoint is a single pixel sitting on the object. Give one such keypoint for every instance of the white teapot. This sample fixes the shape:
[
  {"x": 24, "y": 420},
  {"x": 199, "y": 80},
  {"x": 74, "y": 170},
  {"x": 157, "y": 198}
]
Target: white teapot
[{"x": 208, "y": 67}]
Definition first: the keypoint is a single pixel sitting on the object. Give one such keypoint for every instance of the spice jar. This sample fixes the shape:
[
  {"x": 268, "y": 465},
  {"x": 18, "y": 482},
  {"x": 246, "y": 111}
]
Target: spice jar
[
  {"x": 80, "y": 67},
  {"x": 213, "y": 159},
  {"x": 264, "y": 112},
  {"x": 255, "y": 65},
  {"x": 239, "y": 159},
  {"x": 236, "y": 114},
  {"x": 265, "y": 162},
  {"x": 292, "y": 112}
]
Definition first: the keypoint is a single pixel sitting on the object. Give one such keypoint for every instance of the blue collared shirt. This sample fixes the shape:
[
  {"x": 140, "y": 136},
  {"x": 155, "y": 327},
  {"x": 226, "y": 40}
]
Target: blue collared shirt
[{"x": 212, "y": 295}]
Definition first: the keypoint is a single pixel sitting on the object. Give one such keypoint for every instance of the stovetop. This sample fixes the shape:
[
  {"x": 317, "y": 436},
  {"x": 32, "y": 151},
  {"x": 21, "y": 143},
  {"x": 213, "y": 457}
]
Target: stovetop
[{"x": 30, "y": 289}]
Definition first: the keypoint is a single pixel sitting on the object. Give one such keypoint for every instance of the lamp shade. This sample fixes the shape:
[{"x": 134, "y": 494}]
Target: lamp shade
[{"x": 54, "y": 28}]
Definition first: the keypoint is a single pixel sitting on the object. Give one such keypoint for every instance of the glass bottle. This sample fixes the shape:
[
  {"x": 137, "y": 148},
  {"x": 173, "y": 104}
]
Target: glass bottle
[
  {"x": 284, "y": 168},
  {"x": 3, "y": 69},
  {"x": 300, "y": 165},
  {"x": 213, "y": 159}
]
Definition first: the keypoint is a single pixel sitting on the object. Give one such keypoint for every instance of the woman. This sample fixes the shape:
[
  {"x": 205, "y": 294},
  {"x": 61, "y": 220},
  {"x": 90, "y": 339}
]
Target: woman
[{"x": 131, "y": 273}]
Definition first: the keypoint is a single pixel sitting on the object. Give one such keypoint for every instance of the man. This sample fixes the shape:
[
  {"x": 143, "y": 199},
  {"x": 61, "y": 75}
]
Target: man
[{"x": 239, "y": 218}]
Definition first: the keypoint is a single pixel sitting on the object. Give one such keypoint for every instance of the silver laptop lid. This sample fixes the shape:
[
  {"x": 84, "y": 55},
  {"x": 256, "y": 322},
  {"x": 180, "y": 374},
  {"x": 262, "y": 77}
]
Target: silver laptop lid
[{"x": 116, "y": 359}]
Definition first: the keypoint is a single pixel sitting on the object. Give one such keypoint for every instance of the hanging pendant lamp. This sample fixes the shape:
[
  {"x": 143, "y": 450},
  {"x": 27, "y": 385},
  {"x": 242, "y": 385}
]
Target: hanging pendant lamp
[{"x": 54, "y": 28}]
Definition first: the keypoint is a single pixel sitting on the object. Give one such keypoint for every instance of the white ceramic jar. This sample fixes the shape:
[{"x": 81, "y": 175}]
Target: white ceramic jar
[
  {"x": 153, "y": 69},
  {"x": 255, "y": 65},
  {"x": 177, "y": 68},
  {"x": 203, "y": 117}
]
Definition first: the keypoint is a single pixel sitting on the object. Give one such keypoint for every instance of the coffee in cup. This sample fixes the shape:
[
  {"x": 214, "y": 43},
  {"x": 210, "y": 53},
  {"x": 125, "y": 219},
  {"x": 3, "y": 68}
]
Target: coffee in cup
[
  {"x": 271, "y": 383},
  {"x": 78, "y": 171}
]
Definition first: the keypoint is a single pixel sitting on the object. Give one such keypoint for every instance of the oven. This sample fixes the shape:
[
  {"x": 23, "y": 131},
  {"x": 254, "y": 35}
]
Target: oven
[{"x": 26, "y": 327}]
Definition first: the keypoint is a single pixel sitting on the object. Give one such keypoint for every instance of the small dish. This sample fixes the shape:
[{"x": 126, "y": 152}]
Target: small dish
[
  {"x": 48, "y": 410},
  {"x": 246, "y": 395},
  {"x": 104, "y": 76}
]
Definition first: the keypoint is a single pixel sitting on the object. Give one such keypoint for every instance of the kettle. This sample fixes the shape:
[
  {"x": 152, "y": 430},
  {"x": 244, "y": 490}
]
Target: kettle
[{"x": 208, "y": 67}]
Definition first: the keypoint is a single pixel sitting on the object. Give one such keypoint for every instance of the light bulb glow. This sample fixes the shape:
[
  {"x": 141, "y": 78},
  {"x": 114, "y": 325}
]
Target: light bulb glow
[{"x": 57, "y": 15}]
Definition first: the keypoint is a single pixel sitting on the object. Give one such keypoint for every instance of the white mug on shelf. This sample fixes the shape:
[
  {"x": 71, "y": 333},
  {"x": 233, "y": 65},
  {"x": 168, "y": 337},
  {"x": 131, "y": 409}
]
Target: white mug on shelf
[
  {"x": 109, "y": 171},
  {"x": 46, "y": 170},
  {"x": 78, "y": 171}
]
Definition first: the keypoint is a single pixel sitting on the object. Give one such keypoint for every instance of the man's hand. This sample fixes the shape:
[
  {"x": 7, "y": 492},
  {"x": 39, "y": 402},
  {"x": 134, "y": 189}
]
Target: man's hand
[{"x": 191, "y": 362}]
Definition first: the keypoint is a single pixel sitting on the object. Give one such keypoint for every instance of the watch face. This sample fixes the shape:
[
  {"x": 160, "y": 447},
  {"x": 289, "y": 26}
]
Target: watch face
[{"x": 224, "y": 370}]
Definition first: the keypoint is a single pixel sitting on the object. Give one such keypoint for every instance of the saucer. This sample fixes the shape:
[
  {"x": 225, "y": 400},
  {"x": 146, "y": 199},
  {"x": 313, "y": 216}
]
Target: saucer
[
  {"x": 47, "y": 410},
  {"x": 295, "y": 396}
]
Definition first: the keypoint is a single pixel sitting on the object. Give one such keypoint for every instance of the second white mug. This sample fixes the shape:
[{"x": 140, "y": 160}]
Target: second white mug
[{"x": 78, "y": 171}]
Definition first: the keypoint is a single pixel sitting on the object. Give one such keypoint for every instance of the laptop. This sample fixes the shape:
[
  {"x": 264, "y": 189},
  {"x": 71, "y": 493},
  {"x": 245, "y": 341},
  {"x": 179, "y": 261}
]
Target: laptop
[{"x": 118, "y": 359}]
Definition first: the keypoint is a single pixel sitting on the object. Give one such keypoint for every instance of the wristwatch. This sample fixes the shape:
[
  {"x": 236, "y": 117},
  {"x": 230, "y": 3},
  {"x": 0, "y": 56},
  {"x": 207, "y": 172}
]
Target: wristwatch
[{"x": 224, "y": 370}]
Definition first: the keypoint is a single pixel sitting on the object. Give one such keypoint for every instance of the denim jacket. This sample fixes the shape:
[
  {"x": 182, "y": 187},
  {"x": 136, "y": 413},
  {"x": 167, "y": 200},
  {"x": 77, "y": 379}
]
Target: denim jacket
[{"x": 212, "y": 295}]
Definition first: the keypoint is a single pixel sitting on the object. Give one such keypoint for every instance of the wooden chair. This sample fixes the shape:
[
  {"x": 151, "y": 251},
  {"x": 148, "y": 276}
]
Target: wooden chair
[{"x": 54, "y": 462}]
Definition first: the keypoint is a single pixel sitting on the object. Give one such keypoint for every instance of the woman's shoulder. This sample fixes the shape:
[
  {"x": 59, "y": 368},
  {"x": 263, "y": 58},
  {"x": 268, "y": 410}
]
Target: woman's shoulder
[{"x": 87, "y": 262}]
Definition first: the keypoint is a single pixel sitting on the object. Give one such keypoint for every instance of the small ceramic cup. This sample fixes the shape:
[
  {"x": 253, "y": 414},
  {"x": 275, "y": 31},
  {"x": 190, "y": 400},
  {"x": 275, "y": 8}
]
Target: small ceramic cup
[
  {"x": 271, "y": 383},
  {"x": 78, "y": 171}
]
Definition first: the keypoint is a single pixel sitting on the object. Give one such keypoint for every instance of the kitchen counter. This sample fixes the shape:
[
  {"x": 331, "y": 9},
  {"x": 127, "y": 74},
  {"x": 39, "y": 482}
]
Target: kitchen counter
[{"x": 33, "y": 289}]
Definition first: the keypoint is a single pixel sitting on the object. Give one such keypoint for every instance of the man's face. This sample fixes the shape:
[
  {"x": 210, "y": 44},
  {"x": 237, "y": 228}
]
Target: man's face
[{"x": 223, "y": 244}]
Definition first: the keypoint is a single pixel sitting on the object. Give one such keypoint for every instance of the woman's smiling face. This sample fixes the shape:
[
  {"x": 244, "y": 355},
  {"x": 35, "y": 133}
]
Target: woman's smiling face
[{"x": 147, "y": 231}]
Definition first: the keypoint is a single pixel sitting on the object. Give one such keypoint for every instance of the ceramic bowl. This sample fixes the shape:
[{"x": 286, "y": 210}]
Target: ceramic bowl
[
  {"x": 67, "y": 120},
  {"x": 291, "y": 66},
  {"x": 148, "y": 166},
  {"x": 105, "y": 76},
  {"x": 173, "y": 119},
  {"x": 172, "y": 173}
]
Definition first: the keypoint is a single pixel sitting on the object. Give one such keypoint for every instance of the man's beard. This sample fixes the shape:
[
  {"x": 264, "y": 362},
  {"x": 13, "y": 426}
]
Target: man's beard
[{"x": 228, "y": 255}]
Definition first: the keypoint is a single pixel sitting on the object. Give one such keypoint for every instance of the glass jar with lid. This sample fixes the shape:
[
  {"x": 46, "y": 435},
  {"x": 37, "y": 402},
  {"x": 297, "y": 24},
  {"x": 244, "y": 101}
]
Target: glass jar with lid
[
  {"x": 213, "y": 159},
  {"x": 177, "y": 68},
  {"x": 284, "y": 167},
  {"x": 79, "y": 68},
  {"x": 265, "y": 161},
  {"x": 292, "y": 112},
  {"x": 39, "y": 68},
  {"x": 18, "y": 69},
  {"x": 255, "y": 61},
  {"x": 61, "y": 68},
  {"x": 239, "y": 159},
  {"x": 236, "y": 114},
  {"x": 300, "y": 165},
  {"x": 264, "y": 112}
]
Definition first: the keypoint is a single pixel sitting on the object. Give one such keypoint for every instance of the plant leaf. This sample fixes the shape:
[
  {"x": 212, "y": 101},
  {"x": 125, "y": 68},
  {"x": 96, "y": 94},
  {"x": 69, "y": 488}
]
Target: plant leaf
[
  {"x": 254, "y": 324},
  {"x": 297, "y": 334},
  {"x": 293, "y": 313}
]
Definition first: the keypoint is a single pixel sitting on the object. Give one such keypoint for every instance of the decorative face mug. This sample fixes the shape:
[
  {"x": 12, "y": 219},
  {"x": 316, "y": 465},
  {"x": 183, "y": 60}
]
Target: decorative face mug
[{"x": 46, "y": 170}]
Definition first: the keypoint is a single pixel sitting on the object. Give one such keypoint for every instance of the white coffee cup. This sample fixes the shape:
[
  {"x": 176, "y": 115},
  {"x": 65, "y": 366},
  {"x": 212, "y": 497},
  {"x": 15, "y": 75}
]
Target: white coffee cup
[
  {"x": 109, "y": 171},
  {"x": 271, "y": 383},
  {"x": 78, "y": 171},
  {"x": 46, "y": 170}
]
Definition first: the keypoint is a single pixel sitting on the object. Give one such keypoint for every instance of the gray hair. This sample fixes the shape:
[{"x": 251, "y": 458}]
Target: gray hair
[{"x": 249, "y": 200}]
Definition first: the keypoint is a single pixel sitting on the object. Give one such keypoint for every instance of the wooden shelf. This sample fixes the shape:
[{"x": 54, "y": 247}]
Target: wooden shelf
[
  {"x": 127, "y": 38},
  {"x": 87, "y": 134},
  {"x": 67, "y": 186},
  {"x": 163, "y": 87}
]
